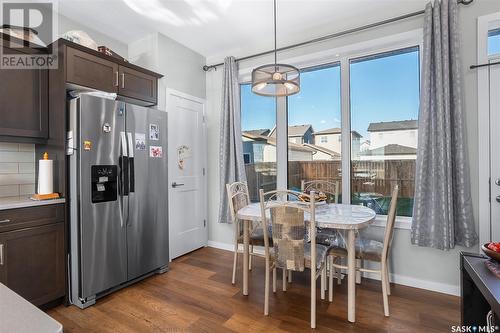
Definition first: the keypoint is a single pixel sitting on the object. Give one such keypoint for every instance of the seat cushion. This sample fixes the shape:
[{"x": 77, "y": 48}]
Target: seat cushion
[
  {"x": 321, "y": 251},
  {"x": 365, "y": 249},
  {"x": 328, "y": 237},
  {"x": 257, "y": 238}
]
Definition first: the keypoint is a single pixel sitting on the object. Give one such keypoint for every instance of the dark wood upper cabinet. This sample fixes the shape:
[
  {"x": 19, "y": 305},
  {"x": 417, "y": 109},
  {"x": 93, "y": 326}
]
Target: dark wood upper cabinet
[
  {"x": 32, "y": 262},
  {"x": 87, "y": 70},
  {"x": 138, "y": 85},
  {"x": 24, "y": 103}
]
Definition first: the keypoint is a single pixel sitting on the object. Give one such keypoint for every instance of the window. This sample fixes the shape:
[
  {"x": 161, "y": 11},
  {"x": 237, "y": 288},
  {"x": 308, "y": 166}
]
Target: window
[
  {"x": 494, "y": 42},
  {"x": 389, "y": 125},
  {"x": 258, "y": 122},
  {"x": 315, "y": 109},
  {"x": 380, "y": 129}
]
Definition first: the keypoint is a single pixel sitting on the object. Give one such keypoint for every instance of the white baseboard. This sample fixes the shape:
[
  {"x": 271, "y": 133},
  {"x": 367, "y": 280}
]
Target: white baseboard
[{"x": 409, "y": 281}]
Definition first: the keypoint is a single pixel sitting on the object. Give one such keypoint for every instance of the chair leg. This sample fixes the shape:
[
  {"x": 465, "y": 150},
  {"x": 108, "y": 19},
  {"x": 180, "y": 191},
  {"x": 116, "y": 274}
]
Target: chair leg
[
  {"x": 359, "y": 263},
  {"x": 289, "y": 276},
  {"x": 388, "y": 280},
  {"x": 323, "y": 281},
  {"x": 383, "y": 272},
  {"x": 330, "y": 278},
  {"x": 235, "y": 262},
  {"x": 266, "y": 290},
  {"x": 284, "y": 279},
  {"x": 250, "y": 258},
  {"x": 313, "y": 298},
  {"x": 339, "y": 276},
  {"x": 274, "y": 279}
]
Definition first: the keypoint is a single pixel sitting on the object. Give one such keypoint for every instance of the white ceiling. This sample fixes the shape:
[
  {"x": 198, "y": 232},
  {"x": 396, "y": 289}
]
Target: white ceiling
[{"x": 216, "y": 28}]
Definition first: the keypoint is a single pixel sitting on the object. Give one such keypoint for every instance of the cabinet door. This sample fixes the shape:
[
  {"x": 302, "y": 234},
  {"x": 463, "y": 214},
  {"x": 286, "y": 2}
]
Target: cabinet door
[
  {"x": 90, "y": 71},
  {"x": 139, "y": 85},
  {"x": 24, "y": 102},
  {"x": 32, "y": 262}
]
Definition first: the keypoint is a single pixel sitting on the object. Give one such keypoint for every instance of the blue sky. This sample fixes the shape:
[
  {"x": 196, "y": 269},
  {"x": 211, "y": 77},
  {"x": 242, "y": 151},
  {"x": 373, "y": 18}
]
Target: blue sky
[
  {"x": 494, "y": 42},
  {"x": 382, "y": 89}
]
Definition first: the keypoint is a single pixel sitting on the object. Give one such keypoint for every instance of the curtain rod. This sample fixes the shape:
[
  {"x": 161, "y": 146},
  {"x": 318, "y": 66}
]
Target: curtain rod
[{"x": 206, "y": 68}]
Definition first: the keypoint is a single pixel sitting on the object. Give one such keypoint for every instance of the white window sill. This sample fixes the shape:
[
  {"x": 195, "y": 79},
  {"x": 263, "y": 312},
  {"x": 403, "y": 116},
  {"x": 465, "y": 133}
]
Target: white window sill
[{"x": 402, "y": 222}]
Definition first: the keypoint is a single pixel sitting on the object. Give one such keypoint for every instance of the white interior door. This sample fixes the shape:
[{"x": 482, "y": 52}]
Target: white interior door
[
  {"x": 495, "y": 150},
  {"x": 186, "y": 170}
]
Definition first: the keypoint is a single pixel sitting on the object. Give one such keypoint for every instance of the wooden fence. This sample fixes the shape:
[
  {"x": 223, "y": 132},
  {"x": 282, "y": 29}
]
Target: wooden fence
[{"x": 376, "y": 177}]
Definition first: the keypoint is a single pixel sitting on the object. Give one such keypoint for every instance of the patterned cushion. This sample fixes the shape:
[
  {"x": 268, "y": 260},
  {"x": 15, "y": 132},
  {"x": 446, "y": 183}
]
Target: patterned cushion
[
  {"x": 321, "y": 251},
  {"x": 288, "y": 237},
  {"x": 257, "y": 237},
  {"x": 365, "y": 249},
  {"x": 329, "y": 237}
]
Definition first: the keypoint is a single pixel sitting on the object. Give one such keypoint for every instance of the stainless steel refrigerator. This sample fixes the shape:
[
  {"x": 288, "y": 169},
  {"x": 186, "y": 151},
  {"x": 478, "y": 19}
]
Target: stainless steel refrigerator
[{"x": 118, "y": 195}]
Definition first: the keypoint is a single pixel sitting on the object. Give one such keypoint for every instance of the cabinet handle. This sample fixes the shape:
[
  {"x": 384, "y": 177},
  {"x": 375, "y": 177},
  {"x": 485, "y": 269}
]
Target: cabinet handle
[
  {"x": 123, "y": 80},
  {"x": 5, "y": 221},
  {"x": 116, "y": 79},
  {"x": 1, "y": 254}
]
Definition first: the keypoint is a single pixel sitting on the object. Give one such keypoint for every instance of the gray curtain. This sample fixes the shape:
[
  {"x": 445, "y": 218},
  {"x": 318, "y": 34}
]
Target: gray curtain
[
  {"x": 231, "y": 167},
  {"x": 442, "y": 212}
]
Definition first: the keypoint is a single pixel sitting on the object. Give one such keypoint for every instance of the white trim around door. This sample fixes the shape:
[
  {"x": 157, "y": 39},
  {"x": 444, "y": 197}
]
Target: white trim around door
[{"x": 484, "y": 24}]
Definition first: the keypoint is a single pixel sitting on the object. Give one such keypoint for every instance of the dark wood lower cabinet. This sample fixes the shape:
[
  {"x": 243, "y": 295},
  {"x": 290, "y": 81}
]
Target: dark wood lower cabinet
[{"x": 32, "y": 262}]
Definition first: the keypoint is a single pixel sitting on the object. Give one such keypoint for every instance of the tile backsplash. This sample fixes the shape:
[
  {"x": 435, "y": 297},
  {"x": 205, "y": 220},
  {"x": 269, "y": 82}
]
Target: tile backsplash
[{"x": 17, "y": 169}]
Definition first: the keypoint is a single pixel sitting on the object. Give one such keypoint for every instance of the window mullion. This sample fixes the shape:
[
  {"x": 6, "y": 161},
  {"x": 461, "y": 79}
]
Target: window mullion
[
  {"x": 346, "y": 130},
  {"x": 281, "y": 143}
]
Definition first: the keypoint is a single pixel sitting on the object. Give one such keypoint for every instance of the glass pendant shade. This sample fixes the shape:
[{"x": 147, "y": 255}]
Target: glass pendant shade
[{"x": 276, "y": 80}]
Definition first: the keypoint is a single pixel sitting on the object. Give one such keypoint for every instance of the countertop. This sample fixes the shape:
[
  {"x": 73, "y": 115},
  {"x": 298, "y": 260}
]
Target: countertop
[
  {"x": 19, "y": 315},
  {"x": 25, "y": 201}
]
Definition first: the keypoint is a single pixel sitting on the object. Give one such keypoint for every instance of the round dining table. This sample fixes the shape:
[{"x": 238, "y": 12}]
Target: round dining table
[{"x": 328, "y": 216}]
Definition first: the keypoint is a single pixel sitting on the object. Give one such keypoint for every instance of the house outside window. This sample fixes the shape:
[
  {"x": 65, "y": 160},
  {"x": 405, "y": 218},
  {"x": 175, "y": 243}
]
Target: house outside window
[{"x": 324, "y": 139}]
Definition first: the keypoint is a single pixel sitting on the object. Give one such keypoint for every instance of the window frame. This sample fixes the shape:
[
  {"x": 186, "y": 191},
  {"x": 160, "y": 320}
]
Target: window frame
[{"x": 342, "y": 55}]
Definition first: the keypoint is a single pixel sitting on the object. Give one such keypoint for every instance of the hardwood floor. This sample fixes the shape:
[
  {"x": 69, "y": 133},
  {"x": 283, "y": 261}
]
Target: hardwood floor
[{"x": 196, "y": 295}]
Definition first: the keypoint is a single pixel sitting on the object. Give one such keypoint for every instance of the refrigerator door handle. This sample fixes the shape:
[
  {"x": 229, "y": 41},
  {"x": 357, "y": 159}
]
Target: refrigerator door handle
[
  {"x": 131, "y": 167},
  {"x": 124, "y": 170}
]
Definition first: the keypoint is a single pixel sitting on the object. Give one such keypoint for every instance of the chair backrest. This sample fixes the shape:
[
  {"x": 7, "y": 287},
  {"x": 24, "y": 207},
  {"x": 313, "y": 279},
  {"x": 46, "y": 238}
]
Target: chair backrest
[
  {"x": 288, "y": 227},
  {"x": 238, "y": 198},
  {"x": 391, "y": 220},
  {"x": 327, "y": 187}
]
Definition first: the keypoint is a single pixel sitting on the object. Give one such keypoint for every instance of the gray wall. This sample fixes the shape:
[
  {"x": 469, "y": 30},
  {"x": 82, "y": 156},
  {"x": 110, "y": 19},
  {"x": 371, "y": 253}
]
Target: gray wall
[
  {"x": 412, "y": 265},
  {"x": 181, "y": 67}
]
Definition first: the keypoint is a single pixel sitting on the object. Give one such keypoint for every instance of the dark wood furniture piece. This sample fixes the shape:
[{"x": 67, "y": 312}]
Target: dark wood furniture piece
[
  {"x": 91, "y": 69},
  {"x": 32, "y": 252},
  {"x": 480, "y": 291},
  {"x": 24, "y": 103}
]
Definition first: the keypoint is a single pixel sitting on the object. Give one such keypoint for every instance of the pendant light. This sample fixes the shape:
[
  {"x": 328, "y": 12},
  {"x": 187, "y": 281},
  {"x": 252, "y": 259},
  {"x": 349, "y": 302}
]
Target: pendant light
[{"x": 275, "y": 79}]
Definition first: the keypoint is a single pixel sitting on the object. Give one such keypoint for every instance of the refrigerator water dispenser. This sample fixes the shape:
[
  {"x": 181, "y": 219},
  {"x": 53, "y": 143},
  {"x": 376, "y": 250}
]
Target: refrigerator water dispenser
[{"x": 104, "y": 183}]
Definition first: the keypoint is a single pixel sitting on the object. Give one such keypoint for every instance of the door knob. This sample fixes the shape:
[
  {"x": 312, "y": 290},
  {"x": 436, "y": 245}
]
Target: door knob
[
  {"x": 497, "y": 181},
  {"x": 498, "y": 198},
  {"x": 174, "y": 185}
]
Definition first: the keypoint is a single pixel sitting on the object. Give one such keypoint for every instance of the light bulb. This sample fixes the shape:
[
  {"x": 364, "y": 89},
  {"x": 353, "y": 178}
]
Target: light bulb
[
  {"x": 290, "y": 86},
  {"x": 260, "y": 86},
  {"x": 277, "y": 76}
]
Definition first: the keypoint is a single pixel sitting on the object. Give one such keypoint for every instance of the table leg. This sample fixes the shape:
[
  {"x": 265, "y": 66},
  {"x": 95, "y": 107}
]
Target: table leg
[
  {"x": 351, "y": 277},
  {"x": 246, "y": 254}
]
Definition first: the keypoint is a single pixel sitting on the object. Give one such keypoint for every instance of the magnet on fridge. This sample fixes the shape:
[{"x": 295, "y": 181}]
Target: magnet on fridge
[{"x": 87, "y": 145}]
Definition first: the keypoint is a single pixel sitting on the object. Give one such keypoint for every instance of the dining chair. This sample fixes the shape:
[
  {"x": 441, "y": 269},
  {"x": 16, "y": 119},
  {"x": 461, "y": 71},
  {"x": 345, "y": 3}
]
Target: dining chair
[
  {"x": 372, "y": 250},
  {"x": 239, "y": 197},
  {"x": 327, "y": 237},
  {"x": 291, "y": 249}
]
